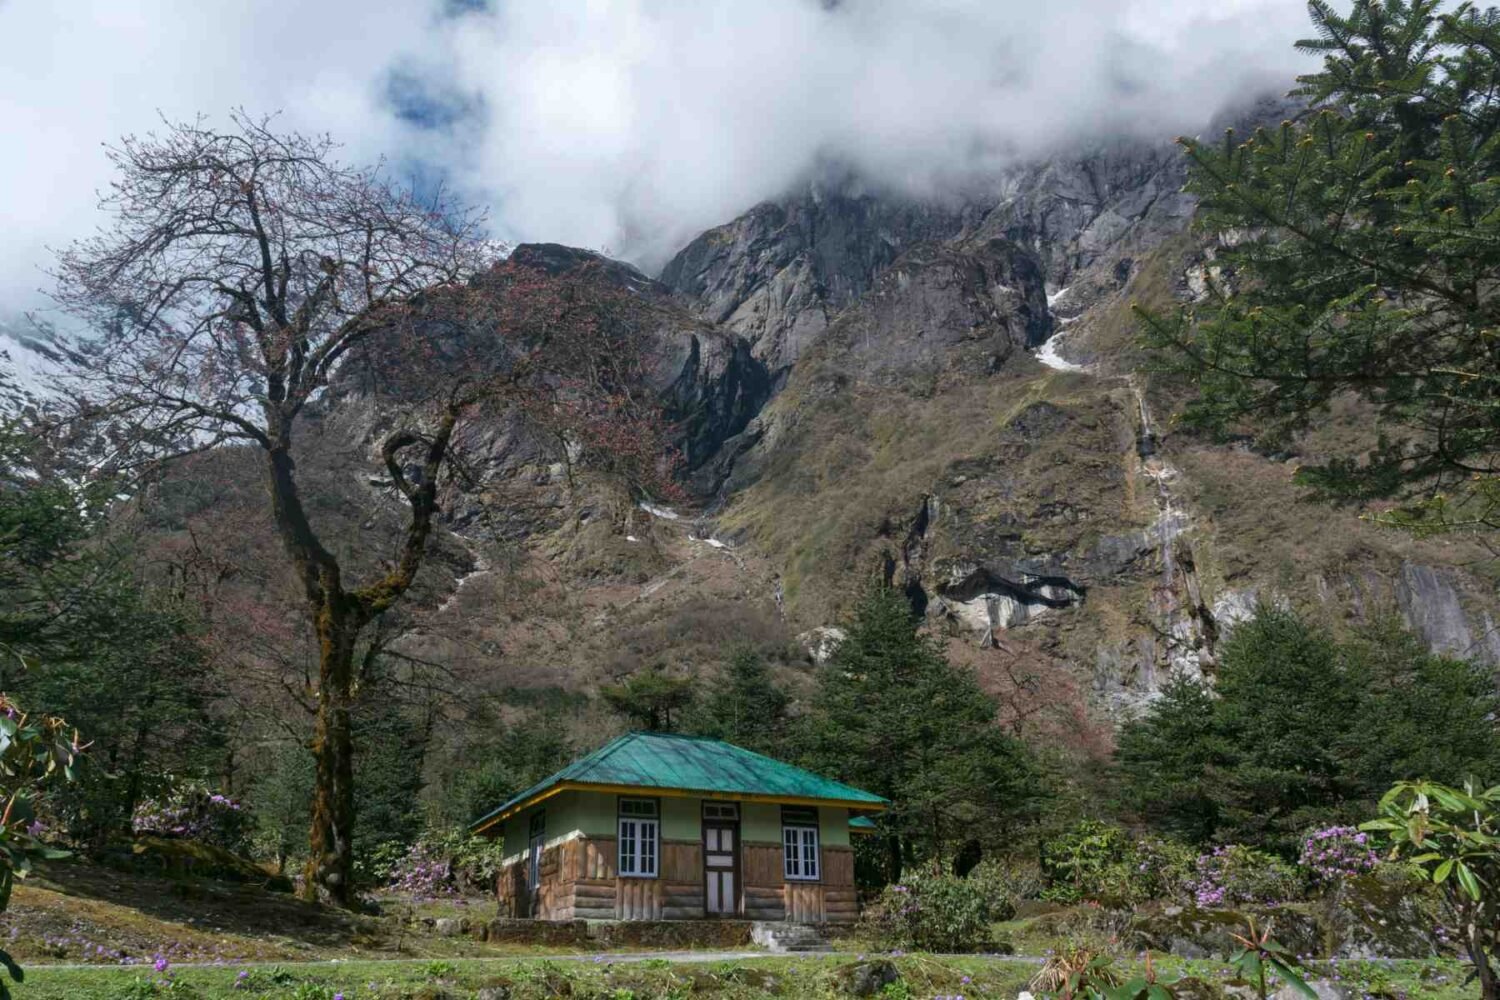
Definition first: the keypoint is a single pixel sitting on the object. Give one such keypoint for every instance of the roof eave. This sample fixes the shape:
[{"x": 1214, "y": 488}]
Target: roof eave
[{"x": 506, "y": 812}]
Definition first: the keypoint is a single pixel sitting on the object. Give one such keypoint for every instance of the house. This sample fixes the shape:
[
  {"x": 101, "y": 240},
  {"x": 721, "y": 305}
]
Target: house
[{"x": 661, "y": 827}]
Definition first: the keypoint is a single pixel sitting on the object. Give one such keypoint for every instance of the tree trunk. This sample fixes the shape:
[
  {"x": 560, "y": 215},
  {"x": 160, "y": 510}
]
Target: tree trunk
[
  {"x": 330, "y": 864},
  {"x": 1489, "y": 986}
]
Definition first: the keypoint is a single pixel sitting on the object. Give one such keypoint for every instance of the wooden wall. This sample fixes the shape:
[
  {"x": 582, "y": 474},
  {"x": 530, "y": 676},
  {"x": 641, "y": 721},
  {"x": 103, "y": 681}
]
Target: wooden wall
[{"x": 579, "y": 882}]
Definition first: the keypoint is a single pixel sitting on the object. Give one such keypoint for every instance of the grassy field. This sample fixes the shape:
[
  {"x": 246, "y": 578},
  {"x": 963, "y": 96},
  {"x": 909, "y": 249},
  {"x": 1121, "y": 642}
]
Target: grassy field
[
  {"x": 88, "y": 933},
  {"x": 609, "y": 979}
]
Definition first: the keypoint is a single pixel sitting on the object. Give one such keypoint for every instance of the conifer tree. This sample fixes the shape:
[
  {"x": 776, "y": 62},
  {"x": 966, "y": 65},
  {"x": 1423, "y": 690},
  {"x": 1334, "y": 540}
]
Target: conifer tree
[
  {"x": 1357, "y": 253},
  {"x": 745, "y": 707},
  {"x": 650, "y": 699},
  {"x": 893, "y": 716}
]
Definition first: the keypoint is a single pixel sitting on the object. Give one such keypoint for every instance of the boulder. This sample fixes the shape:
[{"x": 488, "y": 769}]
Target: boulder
[
  {"x": 868, "y": 979},
  {"x": 1189, "y": 932}
]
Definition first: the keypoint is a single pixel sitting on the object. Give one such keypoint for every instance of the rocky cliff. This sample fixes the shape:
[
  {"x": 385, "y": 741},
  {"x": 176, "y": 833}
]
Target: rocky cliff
[{"x": 944, "y": 394}]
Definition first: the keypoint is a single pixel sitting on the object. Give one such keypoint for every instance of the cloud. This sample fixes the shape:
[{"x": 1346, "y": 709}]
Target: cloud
[
  {"x": 634, "y": 125},
  {"x": 75, "y": 74},
  {"x": 628, "y": 125}
]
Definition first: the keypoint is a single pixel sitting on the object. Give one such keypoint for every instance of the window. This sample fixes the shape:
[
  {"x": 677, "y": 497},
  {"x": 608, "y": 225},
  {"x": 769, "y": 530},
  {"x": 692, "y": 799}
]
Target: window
[
  {"x": 799, "y": 844},
  {"x": 638, "y": 838},
  {"x": 537, "y": 840},
  {"x": 721, "y": 811}
]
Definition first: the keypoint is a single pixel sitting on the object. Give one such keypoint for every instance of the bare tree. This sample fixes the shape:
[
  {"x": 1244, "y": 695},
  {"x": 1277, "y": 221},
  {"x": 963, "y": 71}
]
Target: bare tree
[{"x": 240, "y": 269}]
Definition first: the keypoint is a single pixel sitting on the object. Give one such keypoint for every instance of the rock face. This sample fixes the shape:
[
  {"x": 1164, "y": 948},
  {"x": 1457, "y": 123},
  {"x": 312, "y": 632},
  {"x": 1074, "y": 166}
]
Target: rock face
[
  {"x": 1039, "y": 512},
  {"x": 779, "y": 273},
  {"x": 867, "y": 386}
]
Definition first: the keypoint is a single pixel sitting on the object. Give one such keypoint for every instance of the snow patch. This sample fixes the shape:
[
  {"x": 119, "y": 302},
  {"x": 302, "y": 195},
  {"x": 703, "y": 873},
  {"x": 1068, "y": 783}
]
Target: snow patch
[
  {"x": 665, "y": 513},
  {"x": 1047, "y": 354}
]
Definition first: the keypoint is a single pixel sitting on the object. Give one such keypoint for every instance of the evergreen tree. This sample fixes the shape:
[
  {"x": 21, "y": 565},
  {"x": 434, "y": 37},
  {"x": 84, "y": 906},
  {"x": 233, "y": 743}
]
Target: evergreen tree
[
  {"x": 891, "y": 715},
  {"x": 649, "y": 699},
  {"x": 509, "y": 761},
  {"x": 1301, "y": 729},
  {"x": 1167, "y": 757},
  {"x": 1358, "y": 252},
  {"x": 744, "y": 706},
  {"x": 1286, "y": 713}
]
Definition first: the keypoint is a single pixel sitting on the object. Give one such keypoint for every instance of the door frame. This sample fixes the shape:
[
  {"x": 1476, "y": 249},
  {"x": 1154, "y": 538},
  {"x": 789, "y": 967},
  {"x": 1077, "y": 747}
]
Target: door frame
[{"x": 733, "y": 825}]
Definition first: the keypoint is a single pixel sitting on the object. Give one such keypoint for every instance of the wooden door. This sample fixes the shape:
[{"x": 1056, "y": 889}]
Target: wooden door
[{"x": 721, "y": 868}]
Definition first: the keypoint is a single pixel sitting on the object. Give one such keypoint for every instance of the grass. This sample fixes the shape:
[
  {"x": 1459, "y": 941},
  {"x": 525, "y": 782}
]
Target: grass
[{"x": 599, "y": 977}]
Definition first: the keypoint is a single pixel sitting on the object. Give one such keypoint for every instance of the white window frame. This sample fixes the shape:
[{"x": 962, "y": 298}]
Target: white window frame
[
  {"x": 639, "y": 826},
  {"x": 801, "y": 849}
]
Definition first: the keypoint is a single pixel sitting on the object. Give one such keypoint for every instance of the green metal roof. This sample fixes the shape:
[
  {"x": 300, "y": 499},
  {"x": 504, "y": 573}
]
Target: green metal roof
[
  {"x": 663, "y": 761},
  {"x": 862, "y": 824}
]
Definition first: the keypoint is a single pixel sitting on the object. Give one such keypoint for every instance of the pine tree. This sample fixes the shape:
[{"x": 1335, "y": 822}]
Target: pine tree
[
  {"x": 1358, "y": 248},
  {"x": 649, "y": 699},
  {"x": 893, "y": 716},
  {"x": 1302, "y": 728},
  {"x": 745, "y": 707}
]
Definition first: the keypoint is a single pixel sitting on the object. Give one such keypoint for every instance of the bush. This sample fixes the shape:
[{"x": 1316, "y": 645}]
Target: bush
[
  {"x": 1103, "y": 862},
  {"x": 937, "y": 913},
  {"x": 1335, "y": 853},
  {"x": 192, "y": 812},
  {"x": 440, "y": 864},
  {"x": 1235, "y": 875}
]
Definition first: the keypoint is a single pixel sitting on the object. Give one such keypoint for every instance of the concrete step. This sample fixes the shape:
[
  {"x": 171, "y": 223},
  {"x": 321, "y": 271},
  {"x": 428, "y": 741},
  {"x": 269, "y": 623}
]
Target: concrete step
[{"x": 785, "y": 937}]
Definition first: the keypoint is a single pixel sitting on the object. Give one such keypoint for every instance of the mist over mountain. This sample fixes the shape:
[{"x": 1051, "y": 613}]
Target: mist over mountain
[{"x": 627, "y": 127}]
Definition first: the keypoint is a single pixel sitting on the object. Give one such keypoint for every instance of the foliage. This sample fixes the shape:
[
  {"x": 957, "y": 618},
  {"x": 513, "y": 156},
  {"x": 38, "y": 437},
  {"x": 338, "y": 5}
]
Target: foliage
[
  {"x": 444, "y": 864},
  {"x": 938, "y": 911},
  {"x": 743, "y": 706},
  {"x": 1260, "y": 957},
  {"x": 1356, "y": 246},
  {"x": 1077, "y": 973},
  {"x": 423, "y": 872},
  {"x": 1335, "y": 853},
  {"x": 1106, "y": 863},
  {"x": 1300, "y": 729},
  {"x": 507, "y": 760},
  {"x": 34, "y": 752},
  {"x": 390, "y": 749},
  {"x": 193, "y": 811},
  {"x": 891, "y": 715},
  {"x": 145, "y": 696},
  {"x": 278, "y": 795},
  {"x": 1452, "y": 836},
  {"x": 650, "y": 698},
  {"x": 58, "y": 590},
  {"x": 1084, "y": 974},
  {"x": 1234, "y": 875}
]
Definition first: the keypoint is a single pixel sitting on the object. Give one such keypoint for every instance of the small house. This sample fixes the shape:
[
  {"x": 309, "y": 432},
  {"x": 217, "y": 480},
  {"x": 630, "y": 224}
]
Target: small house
[{"x": 661, "y": 827}]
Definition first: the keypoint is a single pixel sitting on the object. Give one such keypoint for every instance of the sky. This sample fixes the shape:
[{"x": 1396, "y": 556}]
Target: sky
[{"x": 629, "y": 125}]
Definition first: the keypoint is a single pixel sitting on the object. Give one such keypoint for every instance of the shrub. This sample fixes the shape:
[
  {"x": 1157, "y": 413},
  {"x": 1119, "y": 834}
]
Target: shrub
[
  {"x": 440, "y": 864},
  {"x": 1100, "y": 861},
  {"x": 194, "y": 812},
  {"x": 937, "y": 913},
  {"x": 1234, "y": 875},
  {"x": 1335, "y": 853},
  {"x": 424, "y": 872}
]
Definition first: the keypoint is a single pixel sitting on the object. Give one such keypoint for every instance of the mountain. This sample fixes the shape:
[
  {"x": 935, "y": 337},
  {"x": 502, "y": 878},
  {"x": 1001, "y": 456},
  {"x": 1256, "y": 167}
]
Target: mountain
[
  {"x": 30, "y": 357},
  {"x": 945, "y": 394}
]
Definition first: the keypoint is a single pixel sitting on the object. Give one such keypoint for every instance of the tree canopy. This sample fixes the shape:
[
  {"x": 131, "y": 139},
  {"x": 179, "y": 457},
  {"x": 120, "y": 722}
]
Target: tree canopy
[
  {"x": 893, "y": 716},
  {"x": 1302, "y": 728},
  {"x": 1355, "y": 256}
]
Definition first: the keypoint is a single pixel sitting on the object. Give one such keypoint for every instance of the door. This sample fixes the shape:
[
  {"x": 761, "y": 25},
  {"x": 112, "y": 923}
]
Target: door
[{"x": 721, "y": 860}]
